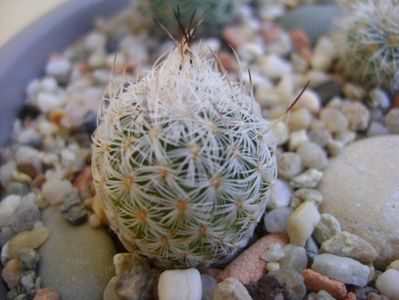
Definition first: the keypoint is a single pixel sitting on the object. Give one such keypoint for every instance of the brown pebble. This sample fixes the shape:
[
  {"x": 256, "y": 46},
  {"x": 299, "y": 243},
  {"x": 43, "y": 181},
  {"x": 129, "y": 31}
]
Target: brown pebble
[
  {"x": 57, "y": 116},
  {"x": 38, "y": 181},
  {"x": 300, "y": 39},
  {"x": 28, "y": 168},
  {"x": 350, "y": 296},
  {"x": 228, "y": 61},
  {"x": 46, "y": 294},
  {"x": 396, "y": 100},
  {"x": 233, "y": 36},
  {"x": 316, "y": 282},
  {"x": 249, "y": 266},
  {"x": 12, "y": 272}
]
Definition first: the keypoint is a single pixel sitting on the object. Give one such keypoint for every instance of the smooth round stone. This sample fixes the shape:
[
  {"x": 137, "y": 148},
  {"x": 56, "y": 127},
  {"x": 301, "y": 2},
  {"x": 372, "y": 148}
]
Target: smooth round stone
[
  {"x": 387, "y": 284},
  {"x": 180, "y": 285},
  {"x": 77, "y": 261},
  {"x": 360, "y": 188},
  {"x": 276, "y": 220}
]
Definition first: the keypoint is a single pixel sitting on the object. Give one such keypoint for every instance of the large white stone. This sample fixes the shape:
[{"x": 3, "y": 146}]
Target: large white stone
[
  {"x": 361, "y": 189},
  {"x": 180, "y": 285},
  {"x": 388, "y": 284}
]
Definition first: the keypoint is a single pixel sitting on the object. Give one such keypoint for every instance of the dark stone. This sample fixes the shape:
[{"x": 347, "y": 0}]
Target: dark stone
[
  {"x": 73, "y": 209},
  {"x": 327, "y": 90},
  {"x": 209, "y": 283},
  {"x": 29, "y": 259},
  {"x": 89, "y": 122},
  {"x": 15, "y": 292},
  {"x": 281, "y": 284},
  {"x": 29, "y": 282},
  {"x": 28, "y": 111}
]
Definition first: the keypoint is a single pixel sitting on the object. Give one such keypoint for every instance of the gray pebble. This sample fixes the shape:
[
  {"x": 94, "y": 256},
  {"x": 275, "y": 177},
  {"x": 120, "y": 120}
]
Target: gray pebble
[
  {"x": 29, "y": 282},
  {"x": 328, "y": 90},
  {"x": 392, "y": 120},
  {"x": 230, "y": 288},
  {"x": 327, "y": 228},
  {"x": 312, "y": 156},
  {"x": 58, "y": 67},
  {"x": 89, "y": 122},
  {"x": 376, "y": 128},
  {"x": 73, "y": 209},
  {"x": 6, "y": 233},
  {"x": 209, "y": 283},
  {"x": 308, "y": 179},
  {"x": 294, "y": 258},
  {"x": 280, "y": 194},
  {"x": 344, "y": 269},
  {"x": 17, "y": 188},
  {"x": 26, "y": 215},
  {"x": 16, "y": 292},
  {"x": 321, "y": 295},
  {"x": 349, "y": 245},
  {"x": 29, "y": 259},
  {"x": 311, "y": 248},
  {"x": 289, "y": 165},
  {"x": 276, "y": 220},
  {"x": 379, "y": 98}
]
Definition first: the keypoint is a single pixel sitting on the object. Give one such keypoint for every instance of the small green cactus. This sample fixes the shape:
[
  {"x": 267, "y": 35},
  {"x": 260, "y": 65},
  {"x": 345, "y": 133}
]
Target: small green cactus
[
  {"x": 370, "y": 42},
  {"x": 219, "y": 13},
  {"x": 183, "y": 161}
]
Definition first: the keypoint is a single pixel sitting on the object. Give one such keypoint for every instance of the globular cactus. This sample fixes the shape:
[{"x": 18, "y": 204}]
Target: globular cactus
[
  {"x": 219, "y": 13},
  {"x": 370, "y": 43},
  {"x": 183, "y": 161}
]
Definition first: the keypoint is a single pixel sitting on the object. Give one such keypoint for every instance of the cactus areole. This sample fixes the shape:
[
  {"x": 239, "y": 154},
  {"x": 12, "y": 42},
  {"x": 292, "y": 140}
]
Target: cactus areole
[{"x": 183, "y": 161}]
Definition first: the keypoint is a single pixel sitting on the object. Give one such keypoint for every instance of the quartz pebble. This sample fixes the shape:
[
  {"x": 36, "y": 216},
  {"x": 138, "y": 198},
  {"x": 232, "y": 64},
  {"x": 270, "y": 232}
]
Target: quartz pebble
[
  {"x": 289, "y": 165},
  {"x": 343, "y": 269},
  {"x": 299, "y": 119},
  {"x": 27, "y": 214},
  {"x": 302, "y": 222},
  {"x": 308, "y": 179},
  {"x": 280, "y": 194},
  {"x": 312, "y": 156},
  {"x": 180, "y": 285},
  {"x": 27, "y": 239},
  {"x": 324, "y": 53},
  {"x": 327, "y": 228},
  {"x": 387, "y": 284},
  {"x": 276, "y": 220},
  {"x": 349, "y": 245},
  {"x": 392, "y": 120},
  {"x": 294, "y": 258},
  {"x": 231, "y": 288},
  {"x": 297, "y": 138},
  {"x": 304, "y": 194},
  {"x": 316, "y": 282},
  {"x": 54, "y": 190},
  {"x": 274, "y": 66}
]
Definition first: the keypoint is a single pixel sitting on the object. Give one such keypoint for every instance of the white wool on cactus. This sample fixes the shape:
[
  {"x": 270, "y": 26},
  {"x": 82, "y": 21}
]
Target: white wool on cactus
[{"x": 183, "y": 161}]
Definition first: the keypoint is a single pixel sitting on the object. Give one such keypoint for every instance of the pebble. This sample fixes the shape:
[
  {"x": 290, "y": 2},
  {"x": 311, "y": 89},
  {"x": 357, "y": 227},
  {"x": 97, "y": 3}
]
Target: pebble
[
  {"x": 29, "y": 282},
  {"x": 299, "y": 39},
  {"x": 377, "y": 128},
  {"x": 327, "y": 90},
  {"x": 357, "y": 114},
  {"x": 274, "y": 67},
  {"x": 47, "y": 102},
  {"x": 312, "y": 156},
  {"x": 335, "y": 147},
  {"x": 46, "y": 294},
  {"x": 209, "y": 284},
  {"x": 289, "y": 165},
  {"x": 349, "y": 245},
  {"x": 95, "y": 40},
  {"x": 228, "y": 61},
  {"x": 276, "y": 220},
  {"x": 297, "y": 138},
  {"x": 11, "y": 273},
  {"x": 316, "y": 282},
  {"x": 393, "y": 265},
  {"x": 72, "y": 208},
  {"x": 281, "y": 284},
  {"x": 327, "y": 228},
  {"x": 6, "y": 173},
  {"x": 54, "y": 190},
  {"x": 353, "y": 91},
  {"x": 87, "y": 266},
  {"x": 27, "y": 214},
  {"x": 180, "y": 285},
  {"x": 346, "y": 136},
  {"x": 29, "y": 259},
  {"x": 58, "y": 66},
  {"x": 230, "y": 288},
  {"x": 299, "y": 119},
  {"x": 346, "y": 189},
  {"x": 379, "y": 98},
  {"x": 301, "y": 223},
  {"x": 304, "y": 194},
  {"x": 249, "y": 266},
  {"x": 110, "y": 290},
  {"x": 312, "y": 249},
  {"x": 308, "y": 179},
  {"x": 334, "y": 120},
  {"x": 320, "y": 136},
  {"x": 321, "y": 295},
  {"x": 280, "y": 132},
  {"x": 294, "y": 258},
  {"x": 16, "y": 188},
  {"x": 8, "y": 207},
  {"x": 344, "y": 269},
  {"x": 32, "y": 239},
  {"x": 280, "y": 194},
  {"x": 392, "y": 120},
  {"x": 387, "y": 284},
  {"x": 233, "y": 36}
]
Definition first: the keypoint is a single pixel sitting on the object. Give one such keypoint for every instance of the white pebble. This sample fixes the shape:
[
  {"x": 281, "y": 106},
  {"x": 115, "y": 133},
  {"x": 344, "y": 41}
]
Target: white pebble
[
  {"x": 274, "y": 66},
  {"x": 54, "y": 190},
  {"x": 95, "y": 40},
  {"x": 312, "y": 156},
  {"x": 280, "y": 132},
  {"x": 308, "y": 179},
  {"x": 26, "y": 154},
  {"x": 323, "y": 54},
  {"x": 59, "y": 66},
  {"x": 388, "y": 284},
  {"x": 357, "y": 114},
  {"x": 393, "y": 265},
  {"x": 285, "y": 89},
  {"x": 49, "y": 102},
  {"x": 6, "y": 171},
  {"x": 309, "y": 100},
  {"x": 8, "y": 207},
  {"x": 334, "y": 120},
  {"x": 302, "y": 222},
  {"x": 299, "y": 119},
  {"x": 272, "y": 266},
  {"x": 280, "y": 194},
  {"x": 297, "y": 138},
  {"x": 379, "y": 98},
  {"x": 180, "y": 285}
]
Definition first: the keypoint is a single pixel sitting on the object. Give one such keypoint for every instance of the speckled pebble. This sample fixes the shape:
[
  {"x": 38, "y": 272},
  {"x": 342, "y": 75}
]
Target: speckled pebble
[
  {"x": 29, "y": 259},
  {"x": 73, "y": 209}
]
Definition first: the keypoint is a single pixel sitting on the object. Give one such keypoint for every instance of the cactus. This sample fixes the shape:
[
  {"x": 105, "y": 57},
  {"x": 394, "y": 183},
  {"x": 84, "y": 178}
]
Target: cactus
[
  {"x": 370, "y": 42},
  {"x": 219, "y": 13},
  {"x": 182, "y": 161}
]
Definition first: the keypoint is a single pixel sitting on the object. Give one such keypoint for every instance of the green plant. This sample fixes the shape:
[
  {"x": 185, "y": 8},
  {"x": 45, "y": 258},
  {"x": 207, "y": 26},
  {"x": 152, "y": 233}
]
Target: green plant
[
  {"x": 182, "y": 161},
  {"x": 219, "y": 13},
  {"x": 370, "y": 36}
]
